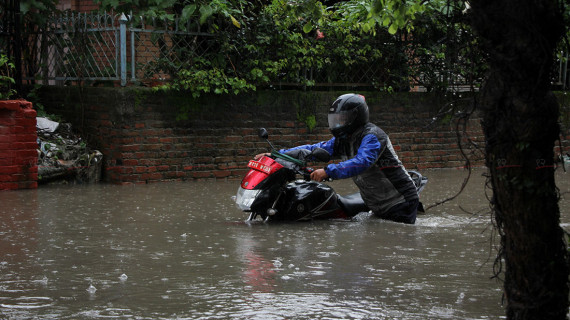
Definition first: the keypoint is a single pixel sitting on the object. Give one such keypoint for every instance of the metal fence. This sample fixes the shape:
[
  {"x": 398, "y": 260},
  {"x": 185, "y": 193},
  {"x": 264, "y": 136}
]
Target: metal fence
[
  {"x": 100, "y": 47},
  {"x": 73, "y": 47},
  {"x": 107, "y": 47}
]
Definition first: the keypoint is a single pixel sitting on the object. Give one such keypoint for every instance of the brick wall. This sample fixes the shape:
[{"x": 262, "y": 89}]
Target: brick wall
[
  {"x": 18, "y": 145},
  {"x": 78, "y": 5},
  {"x": 142, "y": 140}
]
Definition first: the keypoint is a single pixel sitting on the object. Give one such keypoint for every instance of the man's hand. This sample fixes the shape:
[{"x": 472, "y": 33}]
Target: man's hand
[
  {"x": 258, "y": 156},
  {"x": 319, "y": 175}
]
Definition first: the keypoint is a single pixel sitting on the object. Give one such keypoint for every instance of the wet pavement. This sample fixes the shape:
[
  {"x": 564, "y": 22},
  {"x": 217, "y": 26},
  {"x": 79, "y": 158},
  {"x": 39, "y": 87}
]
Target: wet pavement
[{"x": 181, "y": 250}]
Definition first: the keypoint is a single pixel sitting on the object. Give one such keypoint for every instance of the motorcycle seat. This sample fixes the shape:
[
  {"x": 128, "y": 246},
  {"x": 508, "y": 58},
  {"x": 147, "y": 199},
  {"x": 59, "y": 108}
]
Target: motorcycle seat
[{"x": 352, "y": 204}]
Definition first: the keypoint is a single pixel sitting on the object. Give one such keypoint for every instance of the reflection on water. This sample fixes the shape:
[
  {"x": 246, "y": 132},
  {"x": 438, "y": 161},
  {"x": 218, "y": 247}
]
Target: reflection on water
[{"x": 183, "y": 251}]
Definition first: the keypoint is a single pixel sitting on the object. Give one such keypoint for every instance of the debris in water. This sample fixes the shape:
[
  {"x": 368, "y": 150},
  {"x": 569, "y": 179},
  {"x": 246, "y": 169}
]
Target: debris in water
[{"x": 123, "y": 277}]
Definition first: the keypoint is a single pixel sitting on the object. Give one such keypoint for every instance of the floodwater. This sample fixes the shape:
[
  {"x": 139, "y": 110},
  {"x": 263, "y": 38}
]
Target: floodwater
[{"x": 182, "y": 250}]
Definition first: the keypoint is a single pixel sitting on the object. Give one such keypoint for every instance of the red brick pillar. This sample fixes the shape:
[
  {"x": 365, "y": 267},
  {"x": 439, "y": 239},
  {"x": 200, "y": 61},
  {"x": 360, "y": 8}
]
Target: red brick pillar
[{"x": 18, "y": 145}]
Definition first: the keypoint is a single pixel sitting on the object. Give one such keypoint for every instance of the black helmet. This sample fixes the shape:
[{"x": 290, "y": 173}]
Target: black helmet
[{"x": 347, "y": 113}]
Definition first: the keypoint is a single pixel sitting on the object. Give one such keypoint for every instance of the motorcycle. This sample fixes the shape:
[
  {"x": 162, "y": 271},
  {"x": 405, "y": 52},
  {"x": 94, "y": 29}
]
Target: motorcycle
[{"x": 278, "y": 188}]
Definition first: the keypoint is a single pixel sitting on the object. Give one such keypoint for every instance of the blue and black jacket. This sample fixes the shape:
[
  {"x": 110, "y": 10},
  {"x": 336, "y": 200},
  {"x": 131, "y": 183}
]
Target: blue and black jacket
[{"x": 368, "y": 157}]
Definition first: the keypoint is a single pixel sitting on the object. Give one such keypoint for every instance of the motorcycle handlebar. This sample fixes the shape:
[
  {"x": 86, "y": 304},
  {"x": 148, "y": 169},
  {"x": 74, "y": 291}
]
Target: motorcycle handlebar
[{"x": 307, "y": 175}]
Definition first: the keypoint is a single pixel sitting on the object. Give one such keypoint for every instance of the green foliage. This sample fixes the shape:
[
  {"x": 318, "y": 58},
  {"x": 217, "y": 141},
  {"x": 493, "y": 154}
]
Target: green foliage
[
  {"x": 304, "y": 42},
  {"x": 6, "y": 80},
  {"x": 279, "y": 43},
  {"x": 37, "y": 11},
  {"x": 203, "y": 11},
  {"x": 206, "y": 76},
  {"x": 209, "y": 81},
  {"x": 444, "y": 48},
  {"x": 310, "y": 121}
]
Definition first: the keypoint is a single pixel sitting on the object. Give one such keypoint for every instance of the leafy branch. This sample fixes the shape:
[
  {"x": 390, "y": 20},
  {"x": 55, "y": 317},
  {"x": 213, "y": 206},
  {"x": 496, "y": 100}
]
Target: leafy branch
[{"x": 6, "y": 79}]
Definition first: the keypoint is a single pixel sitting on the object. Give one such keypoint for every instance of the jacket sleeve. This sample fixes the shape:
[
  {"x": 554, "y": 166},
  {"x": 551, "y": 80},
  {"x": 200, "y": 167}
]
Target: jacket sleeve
[
  {"x": 327, "y": 145},
  {"x": 366, "y": 156}
]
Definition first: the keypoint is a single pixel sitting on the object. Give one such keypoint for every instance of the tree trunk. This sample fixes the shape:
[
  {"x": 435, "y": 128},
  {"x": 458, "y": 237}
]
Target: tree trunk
[{"x": 520, "y": 122}]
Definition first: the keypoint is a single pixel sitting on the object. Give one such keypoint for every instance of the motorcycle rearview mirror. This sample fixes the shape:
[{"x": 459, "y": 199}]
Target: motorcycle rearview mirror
[
  {"x": 321, "y": 155},
  {"x": 262, "y": 133}
]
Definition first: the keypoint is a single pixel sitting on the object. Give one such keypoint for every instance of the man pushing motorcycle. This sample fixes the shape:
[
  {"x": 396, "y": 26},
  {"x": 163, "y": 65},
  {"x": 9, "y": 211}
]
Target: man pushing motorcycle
[{"x": 368, "y": 157}]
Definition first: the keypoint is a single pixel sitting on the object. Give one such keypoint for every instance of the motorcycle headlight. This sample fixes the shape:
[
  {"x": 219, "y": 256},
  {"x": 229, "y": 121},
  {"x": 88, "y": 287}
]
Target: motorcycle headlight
[{"x": 245, "y": 198}]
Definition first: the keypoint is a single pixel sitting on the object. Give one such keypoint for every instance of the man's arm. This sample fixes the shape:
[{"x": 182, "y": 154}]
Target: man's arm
[
  {"x": 366, "y": 156},
  {"x": 327, "y": 145}
]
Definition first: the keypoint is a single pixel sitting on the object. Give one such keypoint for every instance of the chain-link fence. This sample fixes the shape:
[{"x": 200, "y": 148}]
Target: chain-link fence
[
  {"x": 72, "y": 47},
  {"x": 119, "y": 48},
  {"x": 102, "y": 47},
  {"x": 160, "y": 49}
]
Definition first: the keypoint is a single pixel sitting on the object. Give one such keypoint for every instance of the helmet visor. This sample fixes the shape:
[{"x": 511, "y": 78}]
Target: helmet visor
[{"x": 339, "y": 120}]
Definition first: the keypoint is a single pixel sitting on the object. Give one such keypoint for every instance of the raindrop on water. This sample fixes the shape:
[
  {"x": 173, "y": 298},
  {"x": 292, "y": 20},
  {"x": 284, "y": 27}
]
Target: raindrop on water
[
  {"x": 460, "y": 298},
  {"x": 91, "y": 289}
]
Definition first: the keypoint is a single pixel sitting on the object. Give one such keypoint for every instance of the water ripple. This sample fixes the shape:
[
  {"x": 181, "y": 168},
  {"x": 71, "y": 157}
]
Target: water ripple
[{"x": 25, "y": 302}]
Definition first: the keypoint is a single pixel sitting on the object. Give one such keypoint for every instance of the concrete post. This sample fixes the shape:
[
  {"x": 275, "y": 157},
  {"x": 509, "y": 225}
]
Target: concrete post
[{"x": 123, "y": 45}]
